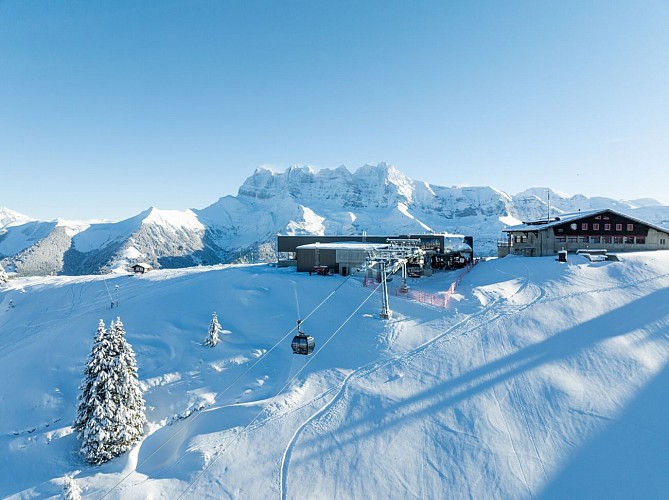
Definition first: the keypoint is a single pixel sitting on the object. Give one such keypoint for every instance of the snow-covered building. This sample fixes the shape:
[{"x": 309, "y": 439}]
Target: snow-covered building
[
  {"x": 141, "y": 268},
  {"x": 341, "y": 257},
  {"x": 343, "y": 254},
  {"x": 596, "y": 229}
]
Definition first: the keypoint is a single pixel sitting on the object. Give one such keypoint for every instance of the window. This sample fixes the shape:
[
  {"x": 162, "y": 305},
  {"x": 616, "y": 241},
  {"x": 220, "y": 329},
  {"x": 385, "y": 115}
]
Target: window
[
  {"x": 663, "y": 241},
  {"x": 606, "y": 239},
  {"x": 584, "y": 226},
  {"x": 640, "y": 240},
  {"x": 560, "y": 230},
  {"x": 618, "y": 240},
  {"x": 583, "y": 239},
  {"x": 630, "y": 227},
  {"x": 607, "y": 227},
  {"x": 572, "y": 239},
  {"x": 629, "y": 240},
  {"x": 561, "y": 239},
  {"x": 595, "y": 227},
  {"x": 599, "y": 217},
  {"x": 619, "y": 227},
  {"x": 595, "y": 239}
]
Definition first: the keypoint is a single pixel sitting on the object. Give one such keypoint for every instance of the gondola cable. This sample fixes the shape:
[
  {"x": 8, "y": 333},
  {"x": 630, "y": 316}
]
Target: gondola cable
[
  {"x": 188, "y": 422},
  {"x": 253, "y": 420}
]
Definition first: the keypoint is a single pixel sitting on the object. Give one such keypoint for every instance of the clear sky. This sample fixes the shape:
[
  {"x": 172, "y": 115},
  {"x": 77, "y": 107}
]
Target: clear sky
[{"x": 107, "y": 108}]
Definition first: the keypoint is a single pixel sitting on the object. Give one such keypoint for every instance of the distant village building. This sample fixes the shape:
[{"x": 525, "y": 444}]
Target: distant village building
[
  {"x": 603, "y": 229},
  {"x": 141, "y": 268},
  {"x": 345, "y": 254}
]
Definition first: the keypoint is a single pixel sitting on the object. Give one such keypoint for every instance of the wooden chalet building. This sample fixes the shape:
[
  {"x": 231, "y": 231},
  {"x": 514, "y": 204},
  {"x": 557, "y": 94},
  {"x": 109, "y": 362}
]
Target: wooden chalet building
[
  {"x": 596, "y": 229},
  {"x": 140, "y": 268}
]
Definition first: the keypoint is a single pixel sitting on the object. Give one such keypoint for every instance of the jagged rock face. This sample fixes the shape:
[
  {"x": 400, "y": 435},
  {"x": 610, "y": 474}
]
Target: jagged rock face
[{"x": 377, "y": 199}]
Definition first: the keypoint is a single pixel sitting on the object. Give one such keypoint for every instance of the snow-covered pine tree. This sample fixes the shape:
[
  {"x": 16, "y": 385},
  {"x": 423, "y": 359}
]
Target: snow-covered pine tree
[
  {"x": 71, "y": 490},
  {"x": 92, "y": 422},
  {"x": 3, "y": 275},
  {"x": 110, "y": 417},
  {"x": 214, "y": 331},
  {"x": 131, "y": 415}
]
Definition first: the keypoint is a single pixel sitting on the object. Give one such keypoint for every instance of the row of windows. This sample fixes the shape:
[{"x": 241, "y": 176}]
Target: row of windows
[
  {"x": 619, "y": 240},
  {"x": 596, "y": 227}
]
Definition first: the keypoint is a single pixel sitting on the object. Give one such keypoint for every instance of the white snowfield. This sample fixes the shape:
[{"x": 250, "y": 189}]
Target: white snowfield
[{"x": 539, "y": 380}]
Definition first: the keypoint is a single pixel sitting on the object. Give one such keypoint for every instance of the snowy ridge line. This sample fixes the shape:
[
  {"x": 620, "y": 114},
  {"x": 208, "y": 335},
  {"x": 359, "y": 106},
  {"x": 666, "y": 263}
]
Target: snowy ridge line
[
  {"x": 188, "y": 422},
  {"x": 379, "y": 199},
  {"x": 629, "y": 284},
  {"x": 227, "y": 445}
]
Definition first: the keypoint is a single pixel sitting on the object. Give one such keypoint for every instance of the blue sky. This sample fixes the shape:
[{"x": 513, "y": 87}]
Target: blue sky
[{"x": 107, "y": 108}]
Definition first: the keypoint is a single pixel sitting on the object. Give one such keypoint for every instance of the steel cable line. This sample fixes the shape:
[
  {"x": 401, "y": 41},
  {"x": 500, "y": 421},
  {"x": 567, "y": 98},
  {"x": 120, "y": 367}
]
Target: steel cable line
[
  {"x": 253, "y": 420},
  {"x": 188, "y": 422}
]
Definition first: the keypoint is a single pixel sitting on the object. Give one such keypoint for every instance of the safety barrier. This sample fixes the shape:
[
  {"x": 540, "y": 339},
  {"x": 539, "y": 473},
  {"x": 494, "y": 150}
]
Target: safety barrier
[{"x": 433, "y": 299}]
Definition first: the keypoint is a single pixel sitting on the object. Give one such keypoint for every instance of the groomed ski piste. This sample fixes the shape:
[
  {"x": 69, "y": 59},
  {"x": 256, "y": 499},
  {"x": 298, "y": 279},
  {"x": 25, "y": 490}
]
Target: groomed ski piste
[{"x": 539, "y": 379}]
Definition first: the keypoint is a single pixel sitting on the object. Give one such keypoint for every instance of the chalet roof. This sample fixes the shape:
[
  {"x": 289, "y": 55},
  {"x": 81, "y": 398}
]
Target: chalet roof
[
  {"x": 541, "y": 225},
  {"x": 142, "y": 264}
]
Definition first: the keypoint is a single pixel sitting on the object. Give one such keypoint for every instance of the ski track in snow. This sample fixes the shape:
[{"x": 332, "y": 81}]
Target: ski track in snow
[
  {"x": 493, "y": 313},
  {"x": 537, "y": 295},
  {"x": 460, "y": 327}
]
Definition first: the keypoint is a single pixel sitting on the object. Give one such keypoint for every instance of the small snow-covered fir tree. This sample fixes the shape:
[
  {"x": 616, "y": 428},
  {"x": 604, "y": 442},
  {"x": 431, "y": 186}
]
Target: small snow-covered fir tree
[
  {"x": 214, "y": 332},
  {"x": 3, "y": 276},
  {"x": 71, "y": 490},
  {"x": 110, "y": 418}
]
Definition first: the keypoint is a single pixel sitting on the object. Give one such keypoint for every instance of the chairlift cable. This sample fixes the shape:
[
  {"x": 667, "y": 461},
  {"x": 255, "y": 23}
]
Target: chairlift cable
[
  {"x": 253, "y": 420},
  {"x": 105, "y": 282},
  {"x": 188, "y": 422}
]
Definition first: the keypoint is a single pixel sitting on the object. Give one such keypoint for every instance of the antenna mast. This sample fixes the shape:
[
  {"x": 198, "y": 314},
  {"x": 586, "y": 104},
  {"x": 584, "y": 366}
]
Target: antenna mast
[{"x": 549, "y": 205}]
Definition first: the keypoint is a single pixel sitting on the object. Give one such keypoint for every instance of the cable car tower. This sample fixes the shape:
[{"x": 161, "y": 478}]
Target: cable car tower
[{"x": 391, "y": 259}]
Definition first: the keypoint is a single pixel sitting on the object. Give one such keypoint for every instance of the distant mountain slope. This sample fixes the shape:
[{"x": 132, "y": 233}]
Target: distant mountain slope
[{"x": 378, "y": 199}]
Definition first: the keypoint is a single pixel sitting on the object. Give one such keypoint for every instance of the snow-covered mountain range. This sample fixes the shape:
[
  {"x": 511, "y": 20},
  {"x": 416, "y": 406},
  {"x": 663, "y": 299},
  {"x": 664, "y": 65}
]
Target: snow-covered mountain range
[{"x": 377, "y": 199}]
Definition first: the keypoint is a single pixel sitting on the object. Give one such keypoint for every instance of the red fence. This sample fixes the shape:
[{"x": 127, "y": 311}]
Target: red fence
[{"x": 434, "y": 299}]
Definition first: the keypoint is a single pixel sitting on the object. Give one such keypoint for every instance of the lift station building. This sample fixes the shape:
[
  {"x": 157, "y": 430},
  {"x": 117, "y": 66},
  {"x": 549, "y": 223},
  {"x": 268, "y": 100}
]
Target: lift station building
[{"x": 345, "y": 254}]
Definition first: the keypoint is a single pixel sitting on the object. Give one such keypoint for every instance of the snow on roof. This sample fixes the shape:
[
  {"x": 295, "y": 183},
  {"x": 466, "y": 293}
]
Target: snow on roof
[
  {"x": 343, "y": 245},
  {"x": 458, "y": 247},
  {"x": 562, "y": 218}
]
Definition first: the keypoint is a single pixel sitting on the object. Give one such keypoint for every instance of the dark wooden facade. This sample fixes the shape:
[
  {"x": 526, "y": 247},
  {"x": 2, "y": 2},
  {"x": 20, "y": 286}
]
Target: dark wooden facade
[
  {"x": 601, "y": 229},
  {"x": 141, "y": 268}
]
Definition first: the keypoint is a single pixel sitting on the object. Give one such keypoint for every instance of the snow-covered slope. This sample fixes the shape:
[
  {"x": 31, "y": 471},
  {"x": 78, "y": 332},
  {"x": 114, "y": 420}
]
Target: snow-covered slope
[
  {"x": 377, "y": 199},
  {"x": 8, "y": 217},
  {"x": 539, "y": 380}
]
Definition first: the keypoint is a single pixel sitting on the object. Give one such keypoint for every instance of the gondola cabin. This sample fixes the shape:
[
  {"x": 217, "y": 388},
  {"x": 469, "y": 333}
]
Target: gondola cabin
[{"x": 302, "y": 343}]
